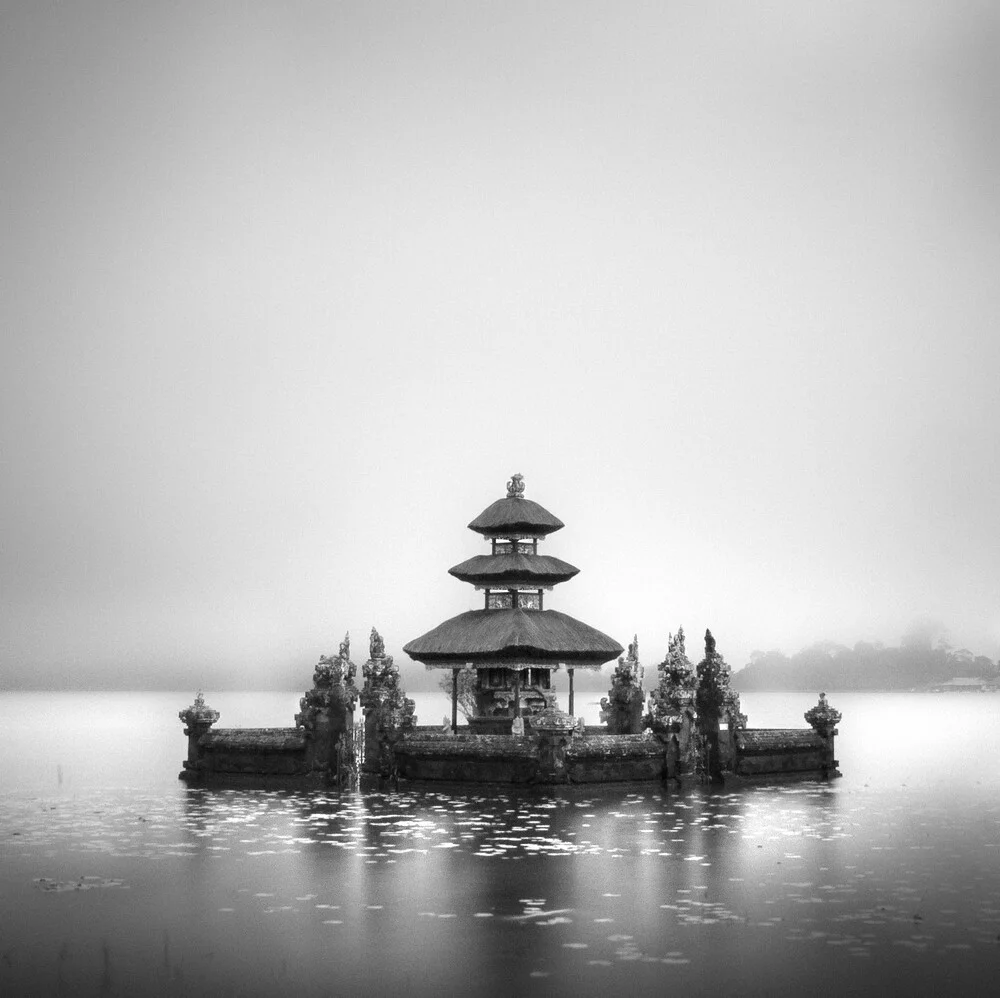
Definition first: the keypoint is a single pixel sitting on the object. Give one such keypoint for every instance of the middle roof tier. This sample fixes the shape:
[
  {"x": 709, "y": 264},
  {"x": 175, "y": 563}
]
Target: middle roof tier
[{"x": 498, "y": 570}]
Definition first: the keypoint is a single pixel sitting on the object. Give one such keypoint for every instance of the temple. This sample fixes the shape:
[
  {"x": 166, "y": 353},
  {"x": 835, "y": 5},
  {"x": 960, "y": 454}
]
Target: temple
[
  {"x": 690, "y": 725},
  {"x": 513, "y": 643}
]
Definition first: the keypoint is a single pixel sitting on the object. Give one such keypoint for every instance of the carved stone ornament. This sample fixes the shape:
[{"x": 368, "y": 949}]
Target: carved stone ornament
[
  {"x": 633, "y": 649},
  {"x": 376, "y": 646},
  {"x": 515, "y": 487},
  {"x": 823, "y": 718},
  {"x": 198, "y": 716},
  {"x": 553, "y": 720},
  {"x": 382, "y": 695},
  {"x": 709, "y": 644},
  {"x": 333, "y": 687}
]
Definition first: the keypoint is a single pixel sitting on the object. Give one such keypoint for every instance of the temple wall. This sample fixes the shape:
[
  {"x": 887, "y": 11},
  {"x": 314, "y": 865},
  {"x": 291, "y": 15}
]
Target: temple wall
[
  {"x": 467, "y": 758},
  {"x": 764, "y": 751},
  {"x": 250, "y": 752},
  {"x": 780, "y": 762},
  {"x": 554, "y": 749},
  {"x": 507, "y": 759},
  {"x": 429, "y": 754},
  {"x": 255, "y": 763},
  {"x": 616, "y": 758},
  {"x": 227, "y": 753}
]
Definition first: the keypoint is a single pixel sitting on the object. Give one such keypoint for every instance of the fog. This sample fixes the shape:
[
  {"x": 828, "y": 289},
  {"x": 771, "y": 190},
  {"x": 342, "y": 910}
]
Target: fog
[{"x": 289, "y": 291}]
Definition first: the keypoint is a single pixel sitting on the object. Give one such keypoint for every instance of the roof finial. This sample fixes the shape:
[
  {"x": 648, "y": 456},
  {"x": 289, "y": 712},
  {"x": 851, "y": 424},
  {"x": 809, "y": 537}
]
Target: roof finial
[{"x": 515, "y": 487}]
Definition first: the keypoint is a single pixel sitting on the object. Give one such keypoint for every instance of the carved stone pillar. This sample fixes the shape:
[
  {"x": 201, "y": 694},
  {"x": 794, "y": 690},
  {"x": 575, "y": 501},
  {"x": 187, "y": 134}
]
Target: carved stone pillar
[
  {"x": 198, "y": 720},
  {"x": 823, "y": 719},
  {"x": 330, "y": 725},
  {"x": 555, "y": 730}
]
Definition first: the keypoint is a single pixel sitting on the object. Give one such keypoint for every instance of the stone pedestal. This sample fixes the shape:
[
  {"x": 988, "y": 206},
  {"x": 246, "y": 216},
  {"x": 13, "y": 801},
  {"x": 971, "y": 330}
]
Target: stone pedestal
[
  {"x": 555, "y": 731},
  {"x": 823, "y": 719}
]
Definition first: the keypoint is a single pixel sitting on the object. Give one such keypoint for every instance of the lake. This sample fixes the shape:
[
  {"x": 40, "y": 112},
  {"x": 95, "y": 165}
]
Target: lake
[{"x": 116, "y": 879}]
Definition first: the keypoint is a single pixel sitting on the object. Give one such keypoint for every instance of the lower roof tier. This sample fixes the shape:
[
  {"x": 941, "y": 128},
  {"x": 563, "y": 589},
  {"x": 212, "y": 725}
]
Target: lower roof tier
[{"x": 513, "y": 635}]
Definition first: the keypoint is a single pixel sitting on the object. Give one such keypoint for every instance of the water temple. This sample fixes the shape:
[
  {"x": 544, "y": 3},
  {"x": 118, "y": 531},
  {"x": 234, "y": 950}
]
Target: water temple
[{"x": 501, "y": 660}]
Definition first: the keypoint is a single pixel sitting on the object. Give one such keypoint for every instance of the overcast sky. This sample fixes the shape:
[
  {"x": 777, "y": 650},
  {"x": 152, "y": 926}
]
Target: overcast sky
[{"x": 290, "y": 290}]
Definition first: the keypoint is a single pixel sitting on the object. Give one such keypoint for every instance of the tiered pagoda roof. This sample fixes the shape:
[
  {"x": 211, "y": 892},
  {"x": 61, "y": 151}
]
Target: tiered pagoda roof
[
  {"x": 499, "y": 570},
  {"x": 511, "y": 636},
  {"x": 516, "y": 515},
  {"x": 513, "y": 629}
]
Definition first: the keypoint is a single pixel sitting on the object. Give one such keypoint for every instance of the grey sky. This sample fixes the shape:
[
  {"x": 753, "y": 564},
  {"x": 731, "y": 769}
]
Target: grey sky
[{"x": 289, "y": 290}]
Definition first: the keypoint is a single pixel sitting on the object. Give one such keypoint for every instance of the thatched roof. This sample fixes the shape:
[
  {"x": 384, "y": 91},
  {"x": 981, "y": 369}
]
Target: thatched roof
[
  {"x": 513, "y": 636},
  {"x": 515, "y": 517},
  {"x": 508, "y": 569}
]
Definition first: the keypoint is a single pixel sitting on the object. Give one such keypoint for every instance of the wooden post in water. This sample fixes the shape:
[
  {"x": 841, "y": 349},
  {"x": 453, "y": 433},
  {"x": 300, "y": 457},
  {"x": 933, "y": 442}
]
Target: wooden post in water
[
  {"x": 454, "y": 700},
  {"x": 571, "y": 712}
]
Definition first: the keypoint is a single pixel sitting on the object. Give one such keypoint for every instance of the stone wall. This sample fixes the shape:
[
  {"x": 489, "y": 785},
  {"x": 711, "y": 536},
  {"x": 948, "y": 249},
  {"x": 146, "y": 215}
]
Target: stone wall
[
  {"x": 467, "y": 758},
  {"x": 556, "y": 748},
  {"x": 616, "y": 759},
  {"x": 318, "y": 749},
  {"x": 254, "y": 751},
  {"x": 547, "y": 757},
  {"x": 584, "y": 756},
  {"x": 778, "y": 751}
]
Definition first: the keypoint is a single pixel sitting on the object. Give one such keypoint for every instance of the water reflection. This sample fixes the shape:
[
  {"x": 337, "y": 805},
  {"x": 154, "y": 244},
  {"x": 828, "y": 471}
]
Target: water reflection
[{"x": 808, "y": 886}]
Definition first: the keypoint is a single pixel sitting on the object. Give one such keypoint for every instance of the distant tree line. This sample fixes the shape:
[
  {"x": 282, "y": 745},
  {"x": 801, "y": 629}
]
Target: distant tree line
[{"x": 922, "y": 658}]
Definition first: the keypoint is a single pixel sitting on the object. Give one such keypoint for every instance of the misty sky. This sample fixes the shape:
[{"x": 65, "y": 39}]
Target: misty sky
[{"x": 288, "y": 291}]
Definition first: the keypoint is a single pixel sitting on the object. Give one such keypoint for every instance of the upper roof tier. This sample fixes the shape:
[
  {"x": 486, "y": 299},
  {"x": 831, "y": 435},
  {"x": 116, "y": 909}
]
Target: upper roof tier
[
  {"x": 515, "y": 516},
  {"x": 511, "y": 569}
]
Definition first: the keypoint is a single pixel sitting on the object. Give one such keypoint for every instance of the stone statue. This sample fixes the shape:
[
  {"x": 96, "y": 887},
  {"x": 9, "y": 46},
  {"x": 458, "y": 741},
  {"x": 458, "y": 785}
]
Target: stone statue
[
  {"x": 622, "y": 708},
  {"x": 709, "y": 644},
  {"x": 345, "y": 648},
  {"x": 376, "y": 646},
  {"x": 515, "y": 487}
]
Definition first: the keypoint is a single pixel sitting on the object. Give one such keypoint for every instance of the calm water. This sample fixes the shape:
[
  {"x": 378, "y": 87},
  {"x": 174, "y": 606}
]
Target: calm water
[{"x": 118, "y": 880}]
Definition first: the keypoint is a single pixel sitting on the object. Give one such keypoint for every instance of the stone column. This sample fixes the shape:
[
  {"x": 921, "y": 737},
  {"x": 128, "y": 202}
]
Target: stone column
[
  {"x": 372, "y": 746},
  {"x": 388, "y": 714},
  {"x": 709, "y": 725},
  {"x": 330, "y": 725},
  {"x": 823, "y": 719},
  {"x": 672, "y": 758},
  {"x": 555, "y": 731},
  {"x": 198, "y": 720}
]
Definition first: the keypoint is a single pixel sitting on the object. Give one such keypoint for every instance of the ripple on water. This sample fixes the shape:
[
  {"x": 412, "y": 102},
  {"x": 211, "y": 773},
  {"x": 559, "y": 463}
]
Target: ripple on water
[{"x": 910, "y": 876}]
